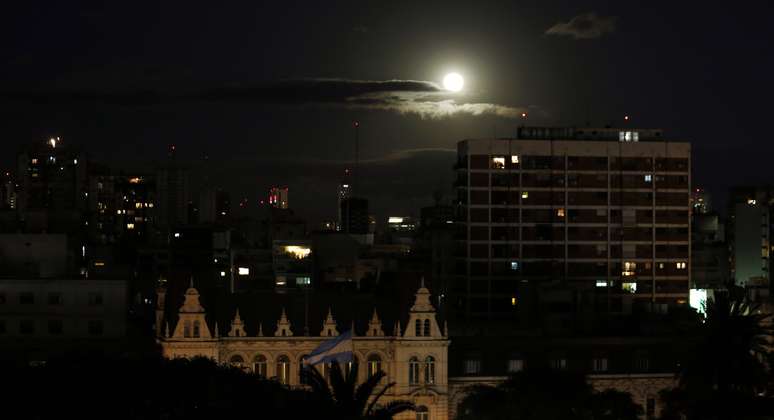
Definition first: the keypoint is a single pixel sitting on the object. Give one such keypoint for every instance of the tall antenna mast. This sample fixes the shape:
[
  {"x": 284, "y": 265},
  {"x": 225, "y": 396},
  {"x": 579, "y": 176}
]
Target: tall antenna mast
[{"x": 356, "y": 124}]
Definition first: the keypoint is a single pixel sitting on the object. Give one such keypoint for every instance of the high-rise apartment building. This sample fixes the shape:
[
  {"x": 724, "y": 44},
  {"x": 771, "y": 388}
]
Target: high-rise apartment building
[
  {"x": 214, "y": 205},
  {"x": 561, "y": 220},
  {"x": 7, "y": 192},
  {"x": 278, "y": 197},
  {"x": 750, "y": 230},
  {"x": 172, "y": 184},
  {"x": 51, "y": 176}
]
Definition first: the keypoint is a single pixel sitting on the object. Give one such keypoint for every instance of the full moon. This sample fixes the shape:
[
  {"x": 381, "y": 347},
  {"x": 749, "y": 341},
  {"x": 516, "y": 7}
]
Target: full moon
[{"x": 453, "y": 82}]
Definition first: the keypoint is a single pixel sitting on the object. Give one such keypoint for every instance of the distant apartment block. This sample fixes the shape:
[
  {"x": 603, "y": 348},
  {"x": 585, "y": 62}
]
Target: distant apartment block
[{"x": 599, "y": 216}]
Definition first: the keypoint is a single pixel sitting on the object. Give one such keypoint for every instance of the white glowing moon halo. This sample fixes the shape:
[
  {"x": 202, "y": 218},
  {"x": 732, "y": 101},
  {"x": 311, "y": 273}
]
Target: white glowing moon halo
[{"x": 453, "y": 82}]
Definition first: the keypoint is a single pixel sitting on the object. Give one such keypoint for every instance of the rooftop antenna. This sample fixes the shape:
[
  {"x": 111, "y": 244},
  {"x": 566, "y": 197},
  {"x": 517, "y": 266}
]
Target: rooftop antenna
[{"x": 356, "y": 124}]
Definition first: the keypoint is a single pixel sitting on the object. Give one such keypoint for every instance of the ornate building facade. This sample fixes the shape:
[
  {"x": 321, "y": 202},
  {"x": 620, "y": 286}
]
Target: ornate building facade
[{"x": 414, "y": 357}]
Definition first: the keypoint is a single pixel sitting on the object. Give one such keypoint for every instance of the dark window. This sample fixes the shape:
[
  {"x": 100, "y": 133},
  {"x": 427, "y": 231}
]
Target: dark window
[
  {"x": 27, "y": 326},
  {"x": 55, "y": 326},
  {"x": 55, "y": 298},
  {"x": 26, "y": 298},
  {"x": 2, "y": 326},
  {"x": 2, "y": 298},
  {"x": 95, "y": 298},
  {"x": 96, "y": 327}
]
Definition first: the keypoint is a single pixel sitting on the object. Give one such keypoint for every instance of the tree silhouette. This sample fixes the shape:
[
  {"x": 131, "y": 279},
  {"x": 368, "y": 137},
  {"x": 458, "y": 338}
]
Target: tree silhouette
[
  {"x": 544, "y": 394},
  {"x": 728, "y": 369},
  {"x": 344, "y": 399}
]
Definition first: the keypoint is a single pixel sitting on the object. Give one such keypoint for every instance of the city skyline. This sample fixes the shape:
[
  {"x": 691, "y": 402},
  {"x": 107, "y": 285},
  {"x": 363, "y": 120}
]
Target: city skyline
[{"x": 564, "y": 65}]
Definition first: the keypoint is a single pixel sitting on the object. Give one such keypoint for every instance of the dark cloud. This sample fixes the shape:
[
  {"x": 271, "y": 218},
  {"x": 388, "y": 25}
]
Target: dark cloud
[
  {"x": 423, "y": 98},
  {"x": 360, "y": 29},
  {"x": 585, "y": 26}
]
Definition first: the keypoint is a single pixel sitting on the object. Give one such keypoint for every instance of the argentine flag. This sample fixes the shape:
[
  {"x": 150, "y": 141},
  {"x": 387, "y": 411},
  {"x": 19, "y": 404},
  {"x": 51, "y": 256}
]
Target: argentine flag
[{"x": 338, "y": 348}]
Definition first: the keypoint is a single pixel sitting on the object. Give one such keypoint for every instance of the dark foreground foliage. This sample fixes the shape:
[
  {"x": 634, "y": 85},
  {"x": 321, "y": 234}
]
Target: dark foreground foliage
[
  {"x": 149, "y": 388},
  {"x": 546, "y": 394}
]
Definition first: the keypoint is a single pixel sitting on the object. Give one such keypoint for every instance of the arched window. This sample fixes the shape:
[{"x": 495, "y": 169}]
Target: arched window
[
  {"x": 197, "y": 328},
  {"x": 302, "y": 369},
  {"x": 349, "y": 365},
  {"x": 423, "y": 413},
  {"x": 413, "y": 371},
  {"x": 374, "y": 364},
  {"x": 283, "y": 370},
  {"x": 260, "y": 365},
  {"x": 427, "y": 328},
  {"x": 187, "y": 329},
  {"x": 429, "y": 370},
  {"x": 236, "y": 361},
  {"x": 418, "y": 328}
]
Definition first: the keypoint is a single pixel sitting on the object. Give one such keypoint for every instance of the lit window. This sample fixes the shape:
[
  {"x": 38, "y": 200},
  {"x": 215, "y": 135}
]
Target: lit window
[
  {"x": 177, "y": 234},
  {"x": 281, "y": 281},
  {"x": 260, "y": 365},
  {"x": 99, "y": 264},
  {"x": 498, "y": 162},
  {"x": 244, "y": 271},
  {"x": 298, "y": 252},
  {"x": 629, "y": 269},
  {"x": 680, "y": 266},
  {"x": 648, "y": 178},
  {"x": 524, "y": 194},
  {"x": 130, "y": 226},
  {"x": 629, "y": 287},
  {"x": 560, "y": 212},
  {"x": 513, "y": 300},
  {"x": 751, "y": 201},
  {"x": 223, "y": 274},
  {"x": 374, "y": 365},
  {"x": 75, "y": 161},
  {"x": 137, "y": 205},
  {"x": 514, "y": 159},
  {"x": 34, "y": 161},
  {"x": 303, "y": 281},
  {"x": 283, "y": 369},
  {"x": 601, "y": 283},
  {"x": 514, "y": 265},
  {"x": 150, "y": 205}
]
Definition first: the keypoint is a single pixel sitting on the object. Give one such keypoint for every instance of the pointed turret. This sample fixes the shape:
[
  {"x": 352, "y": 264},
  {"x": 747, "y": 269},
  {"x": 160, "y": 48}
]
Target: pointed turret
[
  {"x": 375, "y": 326},
  {"x": 237, "y": 326},
  {"x": 283, "y": 326},
  {"x": 329, "y": 326}
]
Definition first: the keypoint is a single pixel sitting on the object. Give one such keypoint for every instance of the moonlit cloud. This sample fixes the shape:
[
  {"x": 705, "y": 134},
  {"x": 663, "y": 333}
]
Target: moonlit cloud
[
  {"x": 585, "y": 26},
  {"x": 408, "y": 97}
]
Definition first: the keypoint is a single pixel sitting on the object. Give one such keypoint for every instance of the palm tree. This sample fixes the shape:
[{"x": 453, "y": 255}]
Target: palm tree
[
  {"x": 728, "y": 369},
  {"x": 344, "y": 399},
  {"x": 733, "y": 348}
]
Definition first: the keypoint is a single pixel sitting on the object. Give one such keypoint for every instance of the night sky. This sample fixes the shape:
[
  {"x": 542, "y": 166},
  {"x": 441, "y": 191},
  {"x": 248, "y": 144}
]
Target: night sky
[{"x": 259, "y": 93}]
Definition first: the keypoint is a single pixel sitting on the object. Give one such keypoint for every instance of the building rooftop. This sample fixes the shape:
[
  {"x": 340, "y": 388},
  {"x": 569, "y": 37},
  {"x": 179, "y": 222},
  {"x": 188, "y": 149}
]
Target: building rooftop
[{"x": 622, "y": 134}]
